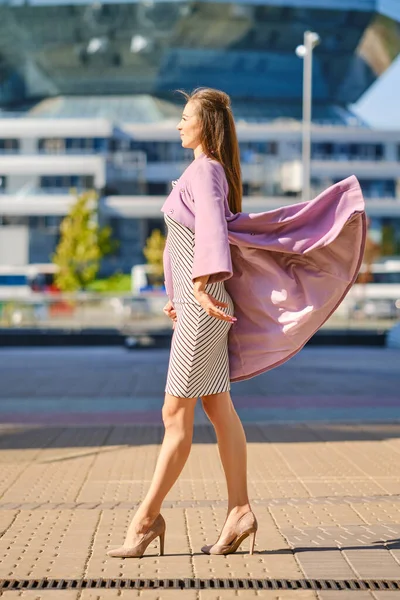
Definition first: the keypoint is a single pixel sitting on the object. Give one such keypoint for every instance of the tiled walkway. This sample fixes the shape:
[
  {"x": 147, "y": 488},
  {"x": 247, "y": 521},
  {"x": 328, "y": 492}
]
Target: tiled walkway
[{"x": 80, "y": 436}]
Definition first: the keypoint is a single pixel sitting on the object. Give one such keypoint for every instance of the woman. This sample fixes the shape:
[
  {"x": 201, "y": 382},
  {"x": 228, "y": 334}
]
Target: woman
[
  {"x": 282, "y": 272},
  {"x": 199, "y": 365}
]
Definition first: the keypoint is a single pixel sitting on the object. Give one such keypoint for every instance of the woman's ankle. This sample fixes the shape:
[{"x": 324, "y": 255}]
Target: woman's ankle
[
  {"x": 239, "y": 509},
  {"x": 146, "y": 515}
]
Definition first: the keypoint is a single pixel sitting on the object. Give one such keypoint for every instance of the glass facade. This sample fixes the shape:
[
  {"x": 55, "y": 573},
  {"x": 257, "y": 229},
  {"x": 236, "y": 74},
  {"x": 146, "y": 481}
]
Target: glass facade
[
  {"x": 347, "y": 151},
  {"x": 160, "y": 151},
  {"x": 378, "y": 188},
  {"x": 59, "y": 183},
  {"x": 72, "y": 145},
  {"x": 245, "y": 48}
]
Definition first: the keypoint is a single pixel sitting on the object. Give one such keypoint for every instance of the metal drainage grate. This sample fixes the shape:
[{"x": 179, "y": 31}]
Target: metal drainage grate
[{"x": 201, "y": 584}]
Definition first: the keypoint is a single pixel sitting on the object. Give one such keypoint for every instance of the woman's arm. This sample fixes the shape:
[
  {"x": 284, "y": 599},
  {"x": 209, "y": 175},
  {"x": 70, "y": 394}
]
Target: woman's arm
[
  {"x": 212, "y": 255},
  {"x": 200, "y": 283},
  {"x": 167, "y": 272}
]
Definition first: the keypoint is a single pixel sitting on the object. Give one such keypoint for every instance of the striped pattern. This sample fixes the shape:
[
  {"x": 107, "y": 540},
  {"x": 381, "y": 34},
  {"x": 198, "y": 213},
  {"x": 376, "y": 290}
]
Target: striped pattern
[{"x": 199, "y": 361}]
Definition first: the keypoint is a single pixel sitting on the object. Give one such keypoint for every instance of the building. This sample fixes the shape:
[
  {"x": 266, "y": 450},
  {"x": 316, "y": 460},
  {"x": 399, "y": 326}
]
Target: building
[{"x": 87, "y": 101}]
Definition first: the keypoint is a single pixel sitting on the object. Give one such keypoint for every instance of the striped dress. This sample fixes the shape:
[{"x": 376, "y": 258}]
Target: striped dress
[{"x": 198, "y": 362}]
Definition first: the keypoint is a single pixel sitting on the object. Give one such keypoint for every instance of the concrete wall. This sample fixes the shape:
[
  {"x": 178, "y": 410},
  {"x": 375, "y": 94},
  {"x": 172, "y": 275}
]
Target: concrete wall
[{"x": 14, "y": 245}]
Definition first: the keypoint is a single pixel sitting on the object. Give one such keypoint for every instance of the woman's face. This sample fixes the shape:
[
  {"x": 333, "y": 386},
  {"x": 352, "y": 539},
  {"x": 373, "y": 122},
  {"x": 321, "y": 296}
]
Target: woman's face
[{"x": 189, "y": 127}]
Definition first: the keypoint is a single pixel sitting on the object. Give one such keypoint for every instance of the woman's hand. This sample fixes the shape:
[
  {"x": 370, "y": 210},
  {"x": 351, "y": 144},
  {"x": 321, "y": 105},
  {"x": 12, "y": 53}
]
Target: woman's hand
[
  {"x": 210, "y": 305},
  {"x": 170, "y": 311}
]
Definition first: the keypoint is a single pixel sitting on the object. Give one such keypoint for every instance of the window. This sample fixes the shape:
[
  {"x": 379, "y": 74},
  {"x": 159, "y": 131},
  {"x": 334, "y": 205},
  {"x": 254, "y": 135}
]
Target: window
[
  {"x": 9, "y": 145},
  {"x": 388, "y": 277},
  {"x": 157, "y": 188},
  {"x": 50, "y": 223},
  {"x": 322, "y": 150},
  {"x": 15, "y": 220},
  {"x": 378, "y": 188},
  {"x": 3, "y": 184},
  {"x": 248, "y": 150},
  {"x": 51, "y": 145},
  {"x": 80, "y": 145},
  {"x": 352, "y": 151},
  {"x": 65, "y": 182},
  {"x": 73, "y": 145}
]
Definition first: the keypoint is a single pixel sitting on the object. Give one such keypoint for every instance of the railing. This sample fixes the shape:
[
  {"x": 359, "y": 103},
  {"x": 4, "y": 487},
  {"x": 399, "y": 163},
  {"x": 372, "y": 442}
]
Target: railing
[
  {"x": 143, "y": 312},
  {"x": 84, "y": 310}
]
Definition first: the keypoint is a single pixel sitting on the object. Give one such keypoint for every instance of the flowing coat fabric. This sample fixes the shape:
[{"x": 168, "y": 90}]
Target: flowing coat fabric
[{"x": 286, "y": 269}]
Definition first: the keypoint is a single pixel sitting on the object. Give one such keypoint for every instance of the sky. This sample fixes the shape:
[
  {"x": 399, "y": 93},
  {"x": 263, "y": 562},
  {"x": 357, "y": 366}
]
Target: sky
[{"x": 380, "y": 105}]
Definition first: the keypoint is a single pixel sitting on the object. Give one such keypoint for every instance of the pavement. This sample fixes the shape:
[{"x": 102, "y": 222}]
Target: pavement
[{"x": 80, "y": 431}]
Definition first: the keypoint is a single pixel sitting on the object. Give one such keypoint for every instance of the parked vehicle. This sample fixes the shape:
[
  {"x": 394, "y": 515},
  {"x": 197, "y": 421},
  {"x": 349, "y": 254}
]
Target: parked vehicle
[
  {"x": 24, "y": 281},
  {"x": 380, "y": 297},
  {"x": 145, "y": 279}
]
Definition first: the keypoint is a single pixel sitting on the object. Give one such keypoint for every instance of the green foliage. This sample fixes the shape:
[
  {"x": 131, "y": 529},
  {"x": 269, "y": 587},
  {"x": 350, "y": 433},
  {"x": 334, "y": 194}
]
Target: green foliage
[
  {"x": 388, "y": 240},
  {"x": 154, "y": 250},
  {"x": 82, "y": 244},
  {"x": 118, "y": 282}
]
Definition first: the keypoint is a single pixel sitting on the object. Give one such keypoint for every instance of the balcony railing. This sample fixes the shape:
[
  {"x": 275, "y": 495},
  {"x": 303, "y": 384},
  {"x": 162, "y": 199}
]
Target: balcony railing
[{"x": 144, "y": 312}]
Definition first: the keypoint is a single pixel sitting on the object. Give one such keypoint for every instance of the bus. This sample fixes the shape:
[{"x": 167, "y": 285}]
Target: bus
[{"x": 26, "y": 280}]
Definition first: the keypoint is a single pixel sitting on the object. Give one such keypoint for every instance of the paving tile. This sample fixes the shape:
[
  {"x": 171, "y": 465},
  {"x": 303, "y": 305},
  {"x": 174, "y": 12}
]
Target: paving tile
[
  {"x": 47, "y": 544},
  {"x": 344, "y": 486},
  {"x": 272, "y": 557},
  {"x": 373, "y": 563},
  {"x": 57, "y": 480},
  {"x": 391, "y": 485},
  {"x": 326, "y": 494},
  {"x": 371, "y": 457},
  {"x": 379, "y": 512},
  {"x": 111, "y": 531},
  {"x": 6, "y": 520},
  {"x": 315, "y": 515}
]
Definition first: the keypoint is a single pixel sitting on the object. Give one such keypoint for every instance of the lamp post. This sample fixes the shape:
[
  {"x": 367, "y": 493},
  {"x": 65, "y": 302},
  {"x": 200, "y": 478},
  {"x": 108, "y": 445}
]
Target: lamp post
[{"x": 305, "y": 51}]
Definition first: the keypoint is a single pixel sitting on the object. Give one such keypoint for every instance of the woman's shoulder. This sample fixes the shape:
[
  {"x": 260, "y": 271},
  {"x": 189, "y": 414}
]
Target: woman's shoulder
[
  {"x": 202, "y": 173},
  {"x": 206, "y": 168}
]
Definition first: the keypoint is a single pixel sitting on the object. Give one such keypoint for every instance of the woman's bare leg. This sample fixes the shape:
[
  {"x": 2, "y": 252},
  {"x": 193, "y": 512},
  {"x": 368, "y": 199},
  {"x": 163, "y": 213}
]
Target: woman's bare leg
[
  {"x": 178, "y": 417},
  {"x": 232, "y": 449}
]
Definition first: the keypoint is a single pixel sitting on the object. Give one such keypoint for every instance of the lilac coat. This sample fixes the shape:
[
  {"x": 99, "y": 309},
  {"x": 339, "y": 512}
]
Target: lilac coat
[{"x": 286, "y": 269}]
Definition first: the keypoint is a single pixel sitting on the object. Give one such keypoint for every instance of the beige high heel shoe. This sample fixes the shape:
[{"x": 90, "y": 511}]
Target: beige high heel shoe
[
  {"x": 157, "y": 529},
  {"x": 247, "y": 525}
]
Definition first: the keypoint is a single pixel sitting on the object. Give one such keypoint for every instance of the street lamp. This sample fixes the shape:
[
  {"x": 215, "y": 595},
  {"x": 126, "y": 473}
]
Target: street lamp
[{"x": 305, "y": 51}]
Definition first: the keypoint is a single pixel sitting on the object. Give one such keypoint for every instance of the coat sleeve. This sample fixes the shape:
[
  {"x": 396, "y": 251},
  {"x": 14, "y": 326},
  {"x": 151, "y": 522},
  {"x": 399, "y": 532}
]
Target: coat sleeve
[
  {"x": 212, "y": 255},
  {"x": 168, "y": 272}
]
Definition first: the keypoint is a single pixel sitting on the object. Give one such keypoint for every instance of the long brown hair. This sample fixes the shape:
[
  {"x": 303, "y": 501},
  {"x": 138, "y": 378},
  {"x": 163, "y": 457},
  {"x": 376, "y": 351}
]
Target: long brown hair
[{"x": 219, "y": 139}]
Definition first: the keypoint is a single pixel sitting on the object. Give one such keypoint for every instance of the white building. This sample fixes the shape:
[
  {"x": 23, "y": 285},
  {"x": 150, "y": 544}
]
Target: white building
[{"x": 132, "y": 166}]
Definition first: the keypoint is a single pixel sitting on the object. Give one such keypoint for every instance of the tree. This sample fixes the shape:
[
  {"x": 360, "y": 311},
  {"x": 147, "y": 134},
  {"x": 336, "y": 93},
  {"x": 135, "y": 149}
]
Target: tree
[
  {"x": 82, "y": 244},
  {"x": 154, "y": 250},
  {"x": 372, "y": 251}
]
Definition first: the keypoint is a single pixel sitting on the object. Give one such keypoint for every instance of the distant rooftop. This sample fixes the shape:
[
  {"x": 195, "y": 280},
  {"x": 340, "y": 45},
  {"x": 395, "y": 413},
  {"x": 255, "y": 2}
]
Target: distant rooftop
[
  {"x": 390, "y": 8},
  {"x": 141, "y": 108},
  {"x": 144, "y": 108},
  {"x": 70, "y": 49}
]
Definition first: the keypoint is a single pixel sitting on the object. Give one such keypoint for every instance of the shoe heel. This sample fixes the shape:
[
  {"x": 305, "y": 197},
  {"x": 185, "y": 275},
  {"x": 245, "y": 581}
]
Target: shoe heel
[
  {"x": 162, "y": 538},
  {"x": 252, "y": 538}
]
